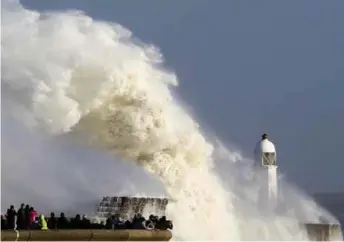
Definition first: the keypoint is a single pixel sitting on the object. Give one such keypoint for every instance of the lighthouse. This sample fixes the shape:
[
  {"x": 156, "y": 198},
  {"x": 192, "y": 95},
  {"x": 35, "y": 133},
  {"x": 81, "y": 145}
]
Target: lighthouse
[{"x": 265, "y": 153}]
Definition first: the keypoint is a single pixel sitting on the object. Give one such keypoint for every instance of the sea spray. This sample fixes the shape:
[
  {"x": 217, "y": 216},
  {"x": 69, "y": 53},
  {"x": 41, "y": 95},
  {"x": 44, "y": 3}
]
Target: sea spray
[
  {"x": 71, "y": 67},
  {"x": 55, "y": 174},
  {"x": 90, "y": 80}
]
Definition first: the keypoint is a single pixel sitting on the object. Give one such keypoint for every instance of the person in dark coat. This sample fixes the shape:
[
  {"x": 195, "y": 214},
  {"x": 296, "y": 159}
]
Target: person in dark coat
[
  {"x": 27, "y": 217},
  {"x": 62, "y": 222},
  {"x": 52, "y": 222},
  {"x": 21, "y": 217},
  {"x": 3, "y": 222},
  {"x": 11, "y": 216}
]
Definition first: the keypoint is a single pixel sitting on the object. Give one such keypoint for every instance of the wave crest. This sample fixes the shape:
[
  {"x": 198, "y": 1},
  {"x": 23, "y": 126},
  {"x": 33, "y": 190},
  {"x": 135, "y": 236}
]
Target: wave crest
[{"x": 66, "y": 73}]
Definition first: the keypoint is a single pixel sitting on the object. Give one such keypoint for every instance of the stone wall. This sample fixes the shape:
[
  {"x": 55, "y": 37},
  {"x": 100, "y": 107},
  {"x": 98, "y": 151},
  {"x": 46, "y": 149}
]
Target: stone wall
[
  {"x": 128, "y": 206},
  {"x": 324, "y": 232}
]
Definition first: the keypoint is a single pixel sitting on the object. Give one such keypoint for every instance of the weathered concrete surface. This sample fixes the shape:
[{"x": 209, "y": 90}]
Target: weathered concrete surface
[
  {"x": 324, "y": 232},
  {"x": 86, "y": 235},
  {"x": 316, "y": 232}
]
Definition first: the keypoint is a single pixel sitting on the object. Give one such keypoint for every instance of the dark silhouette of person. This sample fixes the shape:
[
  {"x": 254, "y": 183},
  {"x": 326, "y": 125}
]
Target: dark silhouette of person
[
  {"x": 85, "y": 222},
  {"x": 52, "y": 222},
  {"x": 27, "y": 216},
  {"x": 35, "y": 224},
  {"x": 148, "y": 224},
  {"x": 138, "y": 221},
  {"x": 76, "y": 222},
  {"x": 119, "y": 224},
  {"x": 102, "y": 225},
  {"x": 114, "y": 222},
  {"x": 21, "y": 217},
  {"x": 164, "y": 224},
  {"x": 110, "y": 222},
  {"x": 62, "y": 222},
  {"x": 128, "y": 224},
  {"x": 3, "y": 222},
  {"x": 169, "y": 224},
  {"x": 154, "y": 219},
  {"x": 11, "y": 214},
  {"x": 161, "y": 224}
]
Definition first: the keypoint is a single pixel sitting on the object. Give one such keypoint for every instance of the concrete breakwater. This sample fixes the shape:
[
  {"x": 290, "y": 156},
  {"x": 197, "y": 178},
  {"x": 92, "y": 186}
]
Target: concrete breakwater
[
  {"x": 86, "y": 235},
  {"x": 324, "y": 232},
  {"x": 316, "y": 232}
]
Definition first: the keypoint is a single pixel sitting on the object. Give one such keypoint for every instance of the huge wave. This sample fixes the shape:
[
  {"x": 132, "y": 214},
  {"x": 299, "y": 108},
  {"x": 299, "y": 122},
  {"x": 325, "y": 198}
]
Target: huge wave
[{"x": 69, "y": 81}]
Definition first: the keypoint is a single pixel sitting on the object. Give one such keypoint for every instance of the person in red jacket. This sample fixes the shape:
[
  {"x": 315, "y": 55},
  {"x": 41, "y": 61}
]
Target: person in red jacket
[{"x": 32, "y": 215}]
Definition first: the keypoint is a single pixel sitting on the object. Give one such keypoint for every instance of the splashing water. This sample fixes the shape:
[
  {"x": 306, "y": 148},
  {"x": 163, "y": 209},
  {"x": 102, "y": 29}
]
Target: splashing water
[{"x": 64, "y": 73}]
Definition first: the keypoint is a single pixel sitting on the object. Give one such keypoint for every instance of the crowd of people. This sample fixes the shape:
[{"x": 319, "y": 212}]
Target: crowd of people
[{"x": 26, "y": 217}]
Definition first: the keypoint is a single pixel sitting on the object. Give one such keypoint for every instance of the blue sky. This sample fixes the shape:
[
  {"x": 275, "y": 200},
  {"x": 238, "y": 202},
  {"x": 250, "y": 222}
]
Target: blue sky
[{"x": 248, "y": 67}]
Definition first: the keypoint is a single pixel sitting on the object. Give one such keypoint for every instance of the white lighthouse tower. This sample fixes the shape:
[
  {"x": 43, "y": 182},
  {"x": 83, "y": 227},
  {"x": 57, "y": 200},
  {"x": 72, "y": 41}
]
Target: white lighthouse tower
[{"x": 266, "y": 156}]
